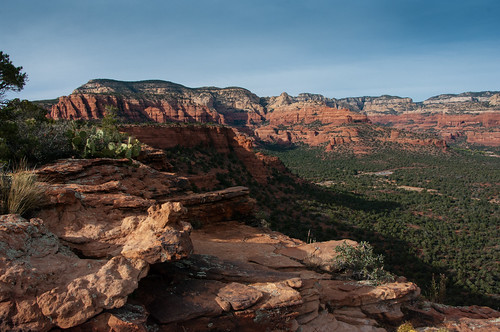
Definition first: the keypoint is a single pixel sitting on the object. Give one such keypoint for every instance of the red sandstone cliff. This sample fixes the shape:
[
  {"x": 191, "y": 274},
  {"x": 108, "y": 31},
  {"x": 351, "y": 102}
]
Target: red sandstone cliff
[
  {"x": 483, "y": 129},
  {"x": 223, "y": 139},
  {"x": 160, "y": 101},
  {"x": 308, "y": 118}
]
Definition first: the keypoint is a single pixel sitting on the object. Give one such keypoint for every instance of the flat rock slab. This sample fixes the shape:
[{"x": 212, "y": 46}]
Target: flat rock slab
[
  {"x": 338, "y": 293},
  {"x": 238, "y": 242},
  {"x": 275, "y": 261},
  {"x": 239, "y": 296},
  {"x": 326, "y": 322},
  {"x": 320, "y": 254}
]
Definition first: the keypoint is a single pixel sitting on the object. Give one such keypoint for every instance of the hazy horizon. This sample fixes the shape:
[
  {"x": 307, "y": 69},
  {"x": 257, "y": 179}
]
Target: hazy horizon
[{"x": 415, "y": 49}]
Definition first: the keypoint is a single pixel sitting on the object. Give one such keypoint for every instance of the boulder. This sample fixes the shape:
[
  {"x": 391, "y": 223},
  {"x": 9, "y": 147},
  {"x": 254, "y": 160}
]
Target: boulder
[
  {"x": 105, "y": 207},
  {"x": 42, "y": 283},
  {"x": 239, "y": 296}
]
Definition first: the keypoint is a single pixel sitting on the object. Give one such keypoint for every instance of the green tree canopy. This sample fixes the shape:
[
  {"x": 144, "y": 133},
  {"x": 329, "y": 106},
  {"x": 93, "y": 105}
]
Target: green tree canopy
[{"x": 11, "y": 77}]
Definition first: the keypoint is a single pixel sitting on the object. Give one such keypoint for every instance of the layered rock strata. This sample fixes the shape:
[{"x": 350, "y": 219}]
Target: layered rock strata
[
  {"x": 482, "y": 129},
  {"x": 307, "y": 118},
  {"x": 103, "y": 223},
  {"x": 223, "y": 140},
  {"x": 106, "y": 207},
  {"x": 160, "y": 101},
  {"x": 241, "y": 278}
]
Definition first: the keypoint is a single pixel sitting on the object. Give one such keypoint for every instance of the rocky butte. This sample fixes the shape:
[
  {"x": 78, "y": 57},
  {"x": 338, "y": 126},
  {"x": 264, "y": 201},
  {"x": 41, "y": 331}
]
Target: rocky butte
[{"x": 308, "y": 118}]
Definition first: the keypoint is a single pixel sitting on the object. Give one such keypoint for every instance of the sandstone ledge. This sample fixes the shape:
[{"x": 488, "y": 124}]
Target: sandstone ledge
[{"x": 84, "y": 266}]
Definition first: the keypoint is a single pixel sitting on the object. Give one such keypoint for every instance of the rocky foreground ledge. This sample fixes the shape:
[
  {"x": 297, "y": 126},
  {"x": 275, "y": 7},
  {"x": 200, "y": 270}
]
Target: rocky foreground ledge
[{"x": 113, "y": 250}]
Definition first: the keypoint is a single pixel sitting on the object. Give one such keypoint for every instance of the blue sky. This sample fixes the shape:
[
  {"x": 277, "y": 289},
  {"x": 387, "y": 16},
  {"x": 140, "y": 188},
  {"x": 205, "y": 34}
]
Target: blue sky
[{"x": 410, "y": 48}]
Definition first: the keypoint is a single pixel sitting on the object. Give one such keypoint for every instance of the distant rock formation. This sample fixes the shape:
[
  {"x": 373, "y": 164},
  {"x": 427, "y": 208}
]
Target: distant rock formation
[
  {"x": 160, "y": 101},
  {"x": 464, "y": 103},
  {"x": 308, "y": 118}
]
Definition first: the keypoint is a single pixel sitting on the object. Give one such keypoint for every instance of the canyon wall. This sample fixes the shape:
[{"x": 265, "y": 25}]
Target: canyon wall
[
  {"x": 160, "y": 101},
  {"x": 482, "y": 128},
  {"x": 308, "y": 118},
  {"x": 223, "y": 140}
]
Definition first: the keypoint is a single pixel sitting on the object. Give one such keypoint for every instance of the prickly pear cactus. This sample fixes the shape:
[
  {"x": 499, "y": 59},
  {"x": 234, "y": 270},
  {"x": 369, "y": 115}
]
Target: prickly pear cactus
[{"x": 104, "y": 142}]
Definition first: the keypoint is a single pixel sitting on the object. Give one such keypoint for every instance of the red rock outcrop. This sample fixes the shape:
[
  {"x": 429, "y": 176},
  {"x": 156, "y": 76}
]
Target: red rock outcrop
[
  {"x": 160, "y": 101},
  {"x": 307, "y": 118},
  {"x": 106, "y": 207},
  {"x": 44, "y": 284},
  {"x": 129, "y": 318},
  {"x": 483, "y": 129},
  {"x": 223, "y": 139},
  {"x": 91, "y": 107},
  {"x": 312, "y": 124},
  {"x": 216, "y": 206},
  {"x": 467, "y": 319},
  {"x": 488, "y": 138},
  {"x": 108, "y": 212},
  {"x": 240, "y": 279},
  {"x": 310, "y": 119}
]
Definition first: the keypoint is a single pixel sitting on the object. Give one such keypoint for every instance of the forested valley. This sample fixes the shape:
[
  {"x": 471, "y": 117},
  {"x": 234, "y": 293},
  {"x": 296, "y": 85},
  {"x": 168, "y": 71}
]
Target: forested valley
[{"x": 431, "y": 214}]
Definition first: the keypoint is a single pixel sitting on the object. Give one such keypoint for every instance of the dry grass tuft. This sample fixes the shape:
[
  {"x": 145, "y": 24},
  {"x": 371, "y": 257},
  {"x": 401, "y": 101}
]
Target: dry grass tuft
[{"x": 20, "y": 192}]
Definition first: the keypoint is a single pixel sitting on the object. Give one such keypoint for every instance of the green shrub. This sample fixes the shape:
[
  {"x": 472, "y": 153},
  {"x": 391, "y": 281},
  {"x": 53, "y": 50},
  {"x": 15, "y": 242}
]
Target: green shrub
[
  {"x": 26, "y": 134},
  {"x": 361, "y": 262},
  {"x": 20, "y": 192},
  {"x": 104, "y": 141},
  {"x": 52, "y": 141},
  {"x": 96, "y": 143}
]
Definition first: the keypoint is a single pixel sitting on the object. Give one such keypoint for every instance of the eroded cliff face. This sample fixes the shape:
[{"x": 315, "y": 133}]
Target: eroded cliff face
[
  {"x": 309, "y": 118},
  {"x": 483, "y": 128},
  {"x": 376, "y": 105},
  {"x": 223, "y": 140},
  {"x": 464, "y": 103},
  {"x": 160, "y": 101}
]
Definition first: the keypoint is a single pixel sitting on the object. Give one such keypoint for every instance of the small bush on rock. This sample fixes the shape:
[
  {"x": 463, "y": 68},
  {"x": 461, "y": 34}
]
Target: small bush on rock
[{"x": 361, "y": 262}]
